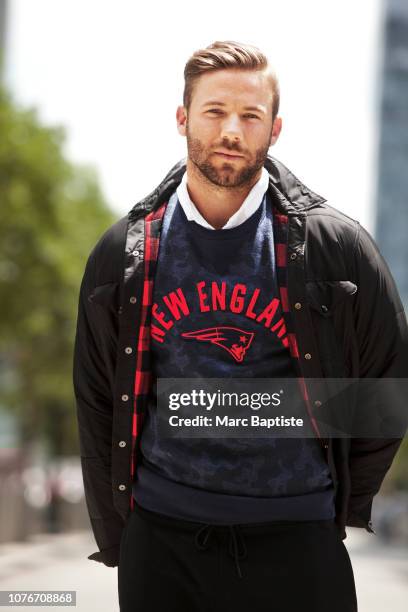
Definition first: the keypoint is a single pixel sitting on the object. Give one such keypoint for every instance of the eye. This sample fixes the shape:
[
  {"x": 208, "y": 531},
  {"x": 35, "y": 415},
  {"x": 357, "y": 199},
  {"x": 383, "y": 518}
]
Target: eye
[
  {"x": 216, "y": 111},
  {"x": 250, "y": 116}
]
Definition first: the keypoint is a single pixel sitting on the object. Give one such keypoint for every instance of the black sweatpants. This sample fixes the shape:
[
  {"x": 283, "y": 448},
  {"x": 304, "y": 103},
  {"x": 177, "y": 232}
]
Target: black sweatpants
[{"x": 172, "y": 565}]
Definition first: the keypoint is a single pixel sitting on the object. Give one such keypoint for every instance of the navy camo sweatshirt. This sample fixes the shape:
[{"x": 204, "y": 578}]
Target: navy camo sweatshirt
[{"x": 217, "y": 314}]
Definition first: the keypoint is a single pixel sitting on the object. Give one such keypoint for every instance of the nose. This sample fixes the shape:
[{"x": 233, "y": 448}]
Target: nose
[{"x": 231, "y": 128}]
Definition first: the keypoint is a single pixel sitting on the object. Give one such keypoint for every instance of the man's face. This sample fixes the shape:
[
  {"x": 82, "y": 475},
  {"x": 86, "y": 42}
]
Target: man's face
[{"x": 229, "y": 125}]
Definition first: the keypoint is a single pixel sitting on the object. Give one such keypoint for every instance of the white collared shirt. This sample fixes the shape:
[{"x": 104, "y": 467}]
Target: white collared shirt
[{"x": 247, "y": 208}]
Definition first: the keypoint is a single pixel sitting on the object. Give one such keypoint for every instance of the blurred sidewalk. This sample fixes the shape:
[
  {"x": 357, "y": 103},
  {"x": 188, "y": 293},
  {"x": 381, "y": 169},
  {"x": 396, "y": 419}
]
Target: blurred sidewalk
[
  {"x": 380, "y": 572},
  {"x": 59, "y": 562}
]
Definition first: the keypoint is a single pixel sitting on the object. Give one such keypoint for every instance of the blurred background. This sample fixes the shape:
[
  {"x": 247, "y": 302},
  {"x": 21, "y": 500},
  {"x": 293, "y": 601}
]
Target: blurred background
[{"x": 88, "y": 93}]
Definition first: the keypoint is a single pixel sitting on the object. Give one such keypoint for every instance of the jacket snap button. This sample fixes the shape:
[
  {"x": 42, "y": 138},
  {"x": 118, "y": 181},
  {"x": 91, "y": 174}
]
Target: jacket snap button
[
  {"x": 133, "y": 300},
  {"x": 122, "y": 444},
  {"x": 298, "y": 305},
  {"x": 125, "y": 398},
  {"x": 308, "y": 356},
  {"x": 324, "y": 308},
  {"x": 122, "y": 487},
  {"x": 293, "y": 256},
  {"x": 136, "y": 253},
  {"x": 318, "y": 403},
  {"x": 128, "y": 350}
]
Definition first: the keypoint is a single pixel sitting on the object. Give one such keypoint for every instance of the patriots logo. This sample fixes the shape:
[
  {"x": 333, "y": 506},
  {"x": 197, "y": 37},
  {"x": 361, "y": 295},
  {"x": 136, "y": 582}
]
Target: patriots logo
[{"x": 234, "y": 340}]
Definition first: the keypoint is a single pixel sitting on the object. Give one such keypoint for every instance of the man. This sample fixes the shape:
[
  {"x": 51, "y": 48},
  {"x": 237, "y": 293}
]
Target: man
[{"x": 231, "y": 269}]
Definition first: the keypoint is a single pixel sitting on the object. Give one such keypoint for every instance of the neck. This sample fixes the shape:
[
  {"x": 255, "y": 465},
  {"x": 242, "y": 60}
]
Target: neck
[{"x": 216, "y": 204}]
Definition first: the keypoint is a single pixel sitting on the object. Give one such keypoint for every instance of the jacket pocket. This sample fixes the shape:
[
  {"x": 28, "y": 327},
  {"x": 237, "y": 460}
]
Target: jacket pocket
[
  {"x": 106, "y": 295},
  {"x": 325, "y": 295},
  {"x": 330, "y": 303}
]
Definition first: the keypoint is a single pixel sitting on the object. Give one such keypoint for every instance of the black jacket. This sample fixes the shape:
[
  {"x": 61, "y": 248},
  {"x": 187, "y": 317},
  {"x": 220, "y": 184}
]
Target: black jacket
[{"x": 347, "y": 316}]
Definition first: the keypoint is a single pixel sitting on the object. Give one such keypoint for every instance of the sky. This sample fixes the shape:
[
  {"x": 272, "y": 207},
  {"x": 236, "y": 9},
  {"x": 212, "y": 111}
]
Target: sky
[{"x": 111, "y": 72}]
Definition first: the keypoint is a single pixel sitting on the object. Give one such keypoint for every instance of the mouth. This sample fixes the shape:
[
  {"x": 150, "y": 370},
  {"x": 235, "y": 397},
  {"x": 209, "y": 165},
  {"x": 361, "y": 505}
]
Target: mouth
[{"x": 229, "y": 156}]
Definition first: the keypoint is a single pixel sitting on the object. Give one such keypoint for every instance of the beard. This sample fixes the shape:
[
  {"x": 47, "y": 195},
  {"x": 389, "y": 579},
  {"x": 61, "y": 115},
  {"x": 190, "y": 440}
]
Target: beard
[{"x": 226, "y": 175}]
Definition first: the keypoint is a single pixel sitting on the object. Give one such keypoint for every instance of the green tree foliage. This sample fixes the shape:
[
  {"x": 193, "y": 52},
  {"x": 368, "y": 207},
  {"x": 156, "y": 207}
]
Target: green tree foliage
[{"x": 51, "y": 214}]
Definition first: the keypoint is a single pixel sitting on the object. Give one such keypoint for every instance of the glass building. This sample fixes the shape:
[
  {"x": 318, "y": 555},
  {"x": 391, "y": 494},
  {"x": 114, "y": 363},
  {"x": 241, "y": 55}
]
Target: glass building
[{"x": 391, "y": 229}]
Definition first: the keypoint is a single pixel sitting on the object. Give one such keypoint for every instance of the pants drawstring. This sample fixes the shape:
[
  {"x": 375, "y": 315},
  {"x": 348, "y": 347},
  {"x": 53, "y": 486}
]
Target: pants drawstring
[{"x": 237, "y": 548}]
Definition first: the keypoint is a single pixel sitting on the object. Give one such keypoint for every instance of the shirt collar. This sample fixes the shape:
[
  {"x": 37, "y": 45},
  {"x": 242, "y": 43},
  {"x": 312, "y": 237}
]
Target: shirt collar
[{"x": 247, "y": 208}]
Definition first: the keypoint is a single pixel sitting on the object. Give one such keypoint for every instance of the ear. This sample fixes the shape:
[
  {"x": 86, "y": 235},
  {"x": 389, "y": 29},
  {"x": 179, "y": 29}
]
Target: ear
[
  {"x": 181, "y": 116},
  {"x": 276, "y": 130}
]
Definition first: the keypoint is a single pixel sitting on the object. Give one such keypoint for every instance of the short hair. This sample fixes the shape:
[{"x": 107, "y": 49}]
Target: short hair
[{"x": 222, "y": 55}]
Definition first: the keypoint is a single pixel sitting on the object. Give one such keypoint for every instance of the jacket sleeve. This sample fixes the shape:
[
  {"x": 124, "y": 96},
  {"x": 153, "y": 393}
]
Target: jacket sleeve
[
  {"x": 93, "y": 391},
  {"x": 382, "y": 336}
]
